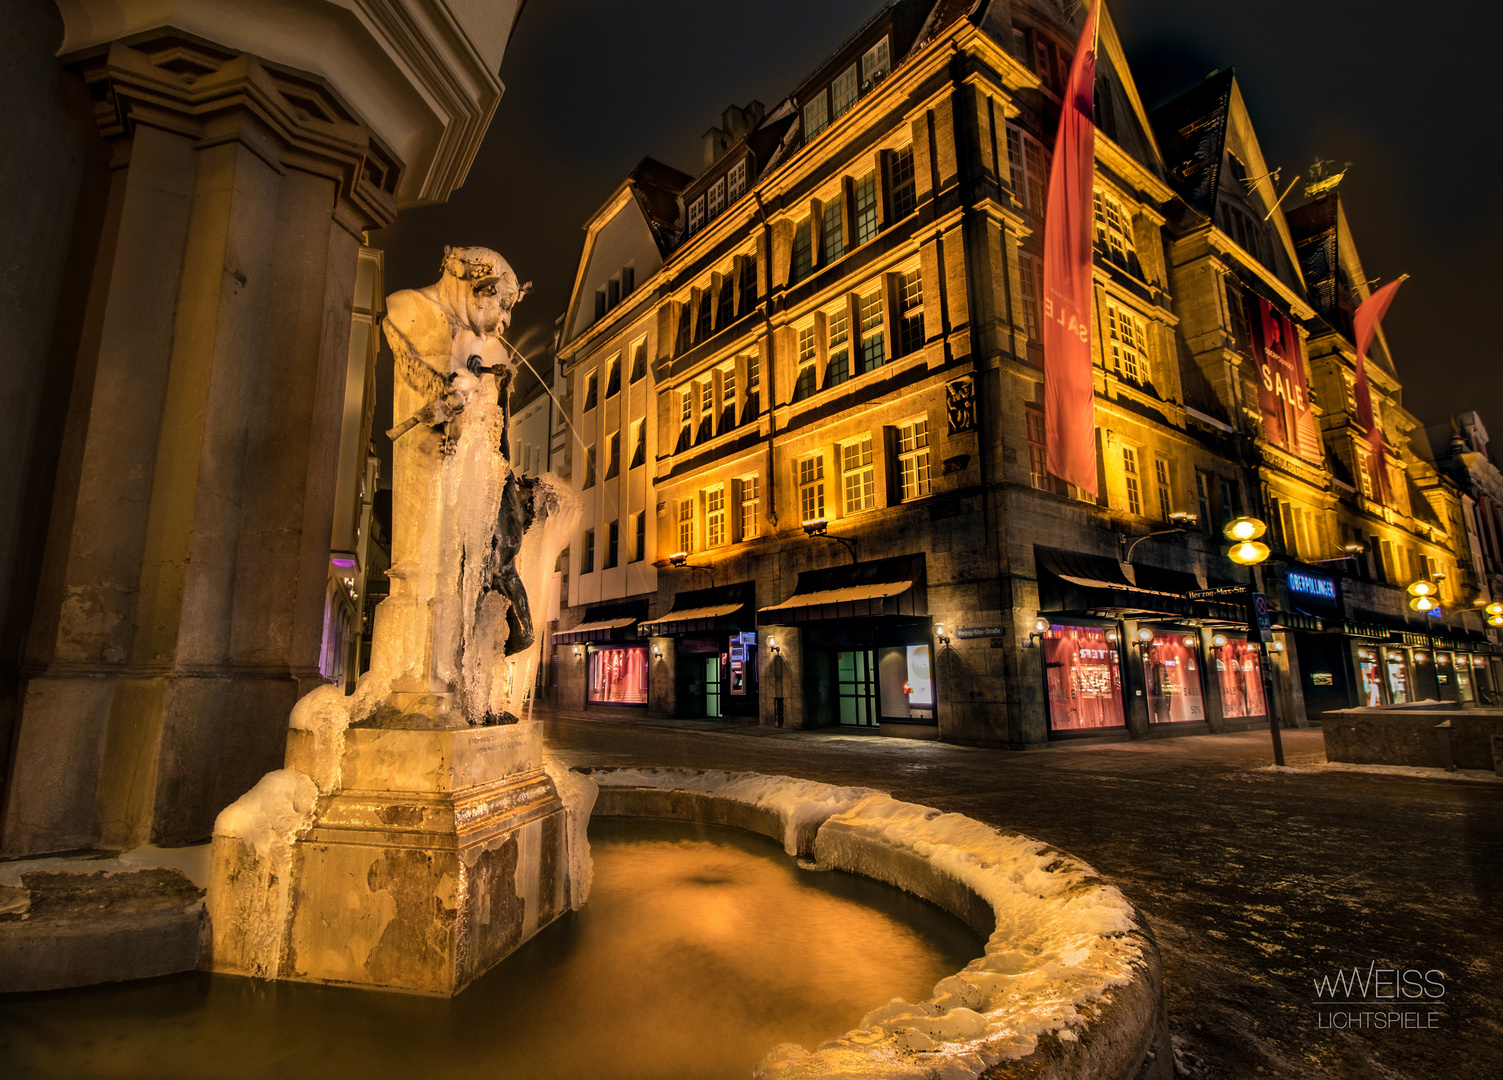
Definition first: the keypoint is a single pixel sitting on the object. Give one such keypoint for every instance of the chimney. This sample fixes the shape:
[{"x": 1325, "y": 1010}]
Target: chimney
[{"x": 735, "y": 123}]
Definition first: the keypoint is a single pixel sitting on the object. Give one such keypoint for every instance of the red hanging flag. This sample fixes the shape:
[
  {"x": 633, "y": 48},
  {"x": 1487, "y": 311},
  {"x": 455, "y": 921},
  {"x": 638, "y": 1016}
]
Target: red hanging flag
[
  {"x": 1365, "y": 324},
  {"x": 1069, "y": 417}
]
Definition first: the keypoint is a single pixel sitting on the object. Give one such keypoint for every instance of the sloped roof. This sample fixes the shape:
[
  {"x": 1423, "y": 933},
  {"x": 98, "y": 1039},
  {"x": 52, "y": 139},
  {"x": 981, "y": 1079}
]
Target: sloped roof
[
  {"x": 1191, "y": 132},
  {"x": 656, "y": 187}
]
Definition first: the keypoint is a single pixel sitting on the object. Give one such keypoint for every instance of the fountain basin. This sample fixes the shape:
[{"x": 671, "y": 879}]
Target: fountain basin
[{"x": 1070, "y": 984}]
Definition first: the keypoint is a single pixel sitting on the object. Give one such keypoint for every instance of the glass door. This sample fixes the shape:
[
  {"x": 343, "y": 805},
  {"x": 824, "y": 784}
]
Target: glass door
[
  {"x": 712, "y": 686},
  {"x": 856, "y": 687}
]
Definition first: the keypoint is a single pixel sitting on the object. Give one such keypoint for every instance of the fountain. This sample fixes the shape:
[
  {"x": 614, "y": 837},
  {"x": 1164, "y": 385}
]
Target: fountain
[{"x": 416, "y": 835}]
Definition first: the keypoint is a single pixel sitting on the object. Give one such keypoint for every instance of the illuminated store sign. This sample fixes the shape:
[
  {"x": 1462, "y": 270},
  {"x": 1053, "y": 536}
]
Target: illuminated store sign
[{"x": 1311, "y": 585}]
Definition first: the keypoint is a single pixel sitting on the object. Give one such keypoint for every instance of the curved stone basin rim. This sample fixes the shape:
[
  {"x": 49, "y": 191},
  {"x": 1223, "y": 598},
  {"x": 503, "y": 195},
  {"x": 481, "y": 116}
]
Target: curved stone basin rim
[{"x": 1070, "y": 984}]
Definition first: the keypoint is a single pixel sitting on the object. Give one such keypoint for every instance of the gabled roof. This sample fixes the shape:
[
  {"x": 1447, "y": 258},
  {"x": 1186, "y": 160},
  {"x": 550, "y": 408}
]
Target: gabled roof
[
  {"x": 1192, "y": 137},
  {"x": 656, "y": 187}
]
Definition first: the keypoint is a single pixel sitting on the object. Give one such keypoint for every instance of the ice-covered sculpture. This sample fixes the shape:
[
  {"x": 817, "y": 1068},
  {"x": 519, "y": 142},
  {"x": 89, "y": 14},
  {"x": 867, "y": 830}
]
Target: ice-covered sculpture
[{"x": 417, "y": 835}]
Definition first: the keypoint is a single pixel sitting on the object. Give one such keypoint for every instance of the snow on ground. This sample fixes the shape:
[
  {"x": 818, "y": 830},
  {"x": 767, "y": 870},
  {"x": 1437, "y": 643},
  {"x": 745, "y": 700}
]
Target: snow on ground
[
  {"x": 192, "y": 861},
  {"x": 1061, "y": 939},
  {"x": 1416, "y": 772}
]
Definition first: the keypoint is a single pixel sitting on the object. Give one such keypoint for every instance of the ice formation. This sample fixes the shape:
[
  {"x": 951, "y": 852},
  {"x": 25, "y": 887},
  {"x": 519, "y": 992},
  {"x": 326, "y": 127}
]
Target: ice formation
[
  {"x": 578, "y": 793},
  {"x": 271, "y": 813},
  {"x": 1063, "y": 939}
]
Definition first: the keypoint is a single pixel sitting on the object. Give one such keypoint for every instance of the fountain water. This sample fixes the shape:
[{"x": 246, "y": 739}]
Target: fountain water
[{"x": 417, "y": 835}]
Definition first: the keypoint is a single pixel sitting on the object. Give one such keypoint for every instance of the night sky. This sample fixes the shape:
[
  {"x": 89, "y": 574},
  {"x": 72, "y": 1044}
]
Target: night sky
[{"x": 1409, "y": 94}]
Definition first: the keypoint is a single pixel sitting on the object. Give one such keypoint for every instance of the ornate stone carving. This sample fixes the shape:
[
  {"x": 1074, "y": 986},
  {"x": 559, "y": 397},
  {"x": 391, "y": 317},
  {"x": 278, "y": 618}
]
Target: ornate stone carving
[{"x": 960, "y": 404}]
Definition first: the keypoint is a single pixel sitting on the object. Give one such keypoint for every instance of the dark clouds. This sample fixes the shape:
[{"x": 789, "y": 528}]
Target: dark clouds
[{"x": 1410, "y": 94}]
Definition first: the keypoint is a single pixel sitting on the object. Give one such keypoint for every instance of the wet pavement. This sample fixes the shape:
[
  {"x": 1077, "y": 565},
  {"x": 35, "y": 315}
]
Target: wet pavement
[{"x": 1259, "y": 884}]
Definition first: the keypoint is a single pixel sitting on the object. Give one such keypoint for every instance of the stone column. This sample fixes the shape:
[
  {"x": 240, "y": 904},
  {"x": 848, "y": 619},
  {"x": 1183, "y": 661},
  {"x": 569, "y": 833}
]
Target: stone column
[
  {"x": 180, "y": 612},
  {"x": 662, "y": 677},
  {"x": 781, "y": 683}
]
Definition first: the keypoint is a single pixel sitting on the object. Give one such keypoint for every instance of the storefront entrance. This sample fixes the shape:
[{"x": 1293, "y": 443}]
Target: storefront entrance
[
  {"x": 855, "y": 688},
  {"x": 712, "y": 687}
]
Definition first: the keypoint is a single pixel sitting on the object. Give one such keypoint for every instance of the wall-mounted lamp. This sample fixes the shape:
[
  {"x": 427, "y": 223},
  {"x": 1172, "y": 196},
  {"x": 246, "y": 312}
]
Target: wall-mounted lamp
[
  {"x": 1354, "y": 548},
  {"x": 772, "y": 643},
  {"x": 1218, "y": 641},
  {"x": 678, "y": 558},
  {"x": 657, "y": 652},
  {"x": 1184, "y": 519},
  {"x": 1190, "y": 641},
  {"x": 1144, "y": 635},
  {"x": 1278, "y": 646},
  {"x": 940, "y": 635},
  {"x": 816, "y": 526},
  {"x": 1040, "y": 628},
  {"x": 1112, "y": 636},
  {"x": 578, "y": 651},
  {"x": 1421, "y": 657},
  {"x": 819, "y": 526}
]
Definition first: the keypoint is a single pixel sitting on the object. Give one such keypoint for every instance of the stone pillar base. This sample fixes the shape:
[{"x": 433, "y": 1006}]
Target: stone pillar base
[{"x": 440, "y": 852}]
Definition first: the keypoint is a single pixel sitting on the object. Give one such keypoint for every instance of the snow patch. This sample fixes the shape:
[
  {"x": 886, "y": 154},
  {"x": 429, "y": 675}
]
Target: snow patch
[
  {"x": 1064, "y": 938},
  {"x": 273, "y": 812}
]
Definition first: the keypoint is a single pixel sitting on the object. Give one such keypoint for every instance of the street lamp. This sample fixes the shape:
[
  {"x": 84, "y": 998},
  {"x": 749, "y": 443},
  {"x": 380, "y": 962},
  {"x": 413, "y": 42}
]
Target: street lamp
[
  {"x": 680, "y": 560},
  {"x": 819, "y": 526},
  {"x": 1247, "y": 550}
]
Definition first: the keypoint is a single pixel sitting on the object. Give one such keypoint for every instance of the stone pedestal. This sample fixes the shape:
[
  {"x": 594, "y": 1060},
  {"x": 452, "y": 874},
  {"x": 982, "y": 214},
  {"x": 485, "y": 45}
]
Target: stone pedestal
[{"x": 439, "y": 854}]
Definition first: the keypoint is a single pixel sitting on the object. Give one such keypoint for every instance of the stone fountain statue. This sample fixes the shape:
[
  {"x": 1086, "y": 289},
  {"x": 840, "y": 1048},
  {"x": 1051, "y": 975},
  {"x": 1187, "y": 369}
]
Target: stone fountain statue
[{"x": 417, "y": 835}]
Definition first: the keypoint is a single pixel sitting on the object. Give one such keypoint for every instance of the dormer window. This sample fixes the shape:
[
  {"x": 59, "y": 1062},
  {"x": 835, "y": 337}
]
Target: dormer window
[
  {"x": 876, "y": 63},
  {"x": 717, "y": 198},
  {"x": 816, "y": 116},
  {"x": 736, "y": 181},
  {"x": 696, "y": 215},
  {"x": 844, "y": 91}
]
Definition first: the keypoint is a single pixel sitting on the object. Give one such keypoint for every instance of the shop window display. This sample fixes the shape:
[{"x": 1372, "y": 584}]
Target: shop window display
[
  {"x": 1171, "y": 670},
  {"x": 1240, "y": 670},
  {"x": 1398, "y": 675},
  {"x": 905, "y": 682},
  {"x": 1369, "y": 677},
  {"x": 1084, "y": 678},
  {"x": 618, "y": 676}
]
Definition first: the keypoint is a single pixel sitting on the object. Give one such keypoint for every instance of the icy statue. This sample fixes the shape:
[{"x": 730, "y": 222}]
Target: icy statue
[{"x": 417, "y": 835}]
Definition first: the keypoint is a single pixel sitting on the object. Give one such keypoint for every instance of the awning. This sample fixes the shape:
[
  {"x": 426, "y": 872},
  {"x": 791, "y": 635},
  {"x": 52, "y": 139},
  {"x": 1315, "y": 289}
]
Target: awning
[
  {"x": 591, "y": 631},
  {"x": 1076, "y": 581},
  {"x": 892, "y": 586},
  {"x": 675, "y": 621}
]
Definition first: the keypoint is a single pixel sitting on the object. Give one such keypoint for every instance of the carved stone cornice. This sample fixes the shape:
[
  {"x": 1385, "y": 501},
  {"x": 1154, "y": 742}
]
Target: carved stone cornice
[{"x": 213, "y": 95}]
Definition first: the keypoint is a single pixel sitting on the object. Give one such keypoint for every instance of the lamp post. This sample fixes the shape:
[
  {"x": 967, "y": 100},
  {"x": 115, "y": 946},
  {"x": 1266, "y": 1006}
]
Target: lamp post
[
  {"x": 818, "y": 527},
  {"x": 680, "y": 560},
  {"x": 1247, "y": 550}
]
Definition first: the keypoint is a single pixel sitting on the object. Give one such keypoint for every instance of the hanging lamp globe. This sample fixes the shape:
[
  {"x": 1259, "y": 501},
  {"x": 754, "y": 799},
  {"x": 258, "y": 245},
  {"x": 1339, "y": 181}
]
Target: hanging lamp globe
[
  {"x": 1247, "y": 552},
  {"x": 1244, "y": 528}
]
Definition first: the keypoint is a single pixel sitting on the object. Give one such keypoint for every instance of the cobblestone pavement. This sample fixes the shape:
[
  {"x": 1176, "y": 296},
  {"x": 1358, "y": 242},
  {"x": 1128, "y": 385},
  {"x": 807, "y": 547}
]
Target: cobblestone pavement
[{"x": 1257, "y": 883}]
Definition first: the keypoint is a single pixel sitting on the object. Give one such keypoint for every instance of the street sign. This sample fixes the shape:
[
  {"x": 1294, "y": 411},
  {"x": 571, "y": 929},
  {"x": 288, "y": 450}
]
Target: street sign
[
  {"x": 1212, "y": 594},
  {"x": 980, "y": 631},
  {"x": 1258, "y": 622}
]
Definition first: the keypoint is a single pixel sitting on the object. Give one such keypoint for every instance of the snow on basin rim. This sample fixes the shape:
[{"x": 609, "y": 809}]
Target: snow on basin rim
[{"x": 1063, "y": 936}]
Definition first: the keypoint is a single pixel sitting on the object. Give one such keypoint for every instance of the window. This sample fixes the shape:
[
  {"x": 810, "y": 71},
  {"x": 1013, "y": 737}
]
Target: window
[
  {"x": 859, "y": 475},
  {"x": 913, "y": 460},
  {"x": 751, "y": 505},
  {"x": 639, "y": 549},
  {"x": 591, "y": 389},
  {"x": 1031, "y": 284},
  {"x": 600, "y": 306},
  {"x": 702, "y": 316},
  {"x": 910, "y": 335},
  {"x": 1161, "y": 477},
  {"x": 681, "y": 346},
  {"x": 728, "y": 396},
  {"x": 589, "y": 468},
  {"x": 1038, "y": 452},
  {"x": 725, "y": 305},
  {"x": 1129, "y": 343},
  {"x": 843, "y": 92},
  {"x": 1113, "y": 233},
  {"x": 685, "y": 419},
  {"x": 717, "y": 198},
  {"x": 816, "y": 116},
  {"x": 686, "y": 526},
  {"x": 628, "y": 280},
  {"x": 1364, "y": 473},
  {"x": 736, "y": 181},
  {"x": 638, "y": 444},
  {"x": 1228, "y": 502},
  {"x": 613, "y": 377},
  {"x": 1130, "y": 470},
  {"x": 715, "y": 517},
  {"x": 696, "y": 215},
  {"x": 587, "y": 553},
  {"x": 612, "y": 545},
  {"x": 753, "y": 374},
  {"x": 1043, "y": 60},
  {"x": 832, "y": 233},
  {"x": 613, "y": 292},
  {"x": 803, "y": 253},
  {"x": 639, "y": 360},
  {"x": 804, "y": 387},
  {"x": 839, "y": 369},
  {"x": 1028, "y": 163},
  {"x": 872, "y": 344},
  {"x": 900, "y": 175},
  {"x": 748, "y": 284},
  {"x": 866, "y": 208},
  {"x": 876, "y": 63},
  {"x": 811, "y": 489},
  {"x": 1203, "y": 500},
  {"x": 613, "y": 460},
  {"x": 706, "y": 408},
  {"x": 1289, "y": 525}
]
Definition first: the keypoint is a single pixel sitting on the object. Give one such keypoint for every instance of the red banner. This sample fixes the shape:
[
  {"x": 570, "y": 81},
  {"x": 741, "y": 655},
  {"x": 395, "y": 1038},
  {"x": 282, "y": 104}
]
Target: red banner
[
  {"x": 1365, "y": 324},
  {"x": 1283, "y": 396},
  {"x": 1069, "y": 417}
]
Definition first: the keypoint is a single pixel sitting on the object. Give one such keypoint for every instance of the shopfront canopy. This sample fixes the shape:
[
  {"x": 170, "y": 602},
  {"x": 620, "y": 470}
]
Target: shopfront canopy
[
  {"x": 1074, "y": 581},
  {"x": 893, "y": 586},
  {"x": 604, "y": 630},
  {"x": 721, "y": 609},
  {"x": 605, "y": 622}
]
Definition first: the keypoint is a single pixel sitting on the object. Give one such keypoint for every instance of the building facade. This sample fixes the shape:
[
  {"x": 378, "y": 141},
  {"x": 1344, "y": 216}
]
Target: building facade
[{"x": 809, "y": 393}]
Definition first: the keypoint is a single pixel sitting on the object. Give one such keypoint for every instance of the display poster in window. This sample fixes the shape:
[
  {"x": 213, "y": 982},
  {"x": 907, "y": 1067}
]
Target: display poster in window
[
  {"x": 1370, "y": 678},
  {"x": 1282, "y": 393},
  {"x": 905, "y": 682},
  {"x": 1398, "y": 675},
  {"x": 618, "y": 676},
  {"x": 1084, "y": 678},
  {"x": 1172, "y": 674},
  {"x": 1239, "y": 669}
]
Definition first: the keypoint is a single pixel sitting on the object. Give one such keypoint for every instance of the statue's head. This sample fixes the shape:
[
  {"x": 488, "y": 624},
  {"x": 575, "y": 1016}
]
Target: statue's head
[{"x": 480, "y": 288}]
